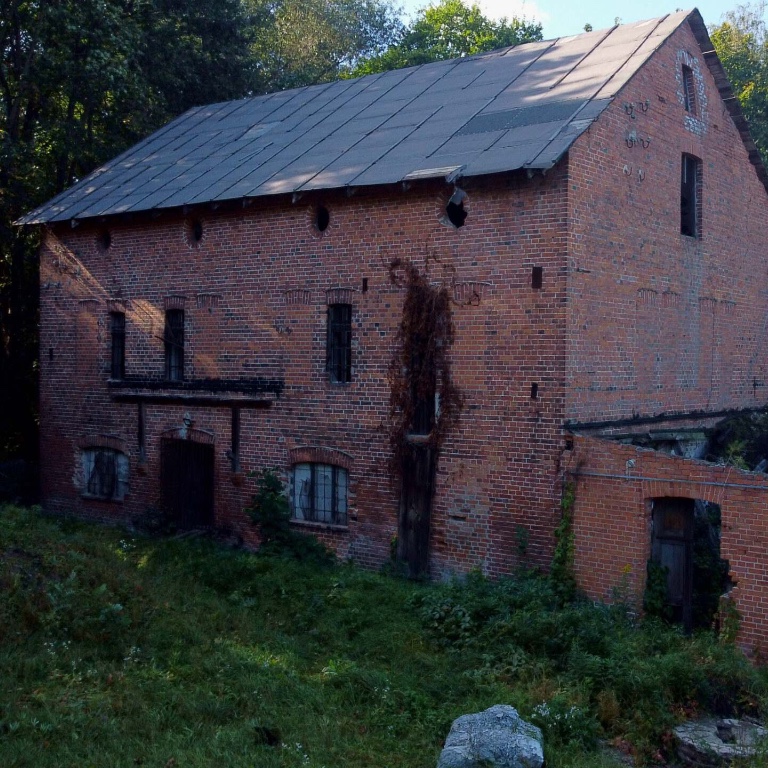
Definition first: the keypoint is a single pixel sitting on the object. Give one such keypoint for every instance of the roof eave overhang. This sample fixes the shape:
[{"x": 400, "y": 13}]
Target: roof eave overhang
[{"x": 727, "y": 95}]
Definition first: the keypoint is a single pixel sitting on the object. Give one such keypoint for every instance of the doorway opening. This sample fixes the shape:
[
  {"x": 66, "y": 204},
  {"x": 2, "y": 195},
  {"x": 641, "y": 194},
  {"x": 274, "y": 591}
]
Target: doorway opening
[
  {"x": 186, "y": 476},
  {"x": 686, "y": 575}
]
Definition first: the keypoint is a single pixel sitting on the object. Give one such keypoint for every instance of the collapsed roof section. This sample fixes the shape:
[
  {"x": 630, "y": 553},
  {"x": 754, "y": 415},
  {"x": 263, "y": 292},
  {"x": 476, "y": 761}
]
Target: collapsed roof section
[{"x": 517, "y": 108}]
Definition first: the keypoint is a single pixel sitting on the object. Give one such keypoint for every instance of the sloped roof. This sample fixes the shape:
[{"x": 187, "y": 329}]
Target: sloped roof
[{"x": 515, "y": 108}]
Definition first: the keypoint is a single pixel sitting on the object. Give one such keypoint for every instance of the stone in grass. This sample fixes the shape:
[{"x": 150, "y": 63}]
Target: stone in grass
[
  {"x": 498, "y": 737},
  {"x": 711, "y": 743}
]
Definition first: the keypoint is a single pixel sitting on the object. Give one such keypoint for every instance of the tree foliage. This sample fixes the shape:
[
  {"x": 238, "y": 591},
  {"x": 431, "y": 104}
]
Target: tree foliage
[
  {"x": 448, "y": 30},
  {"x": 314, "y": 41},
  {"x": 742, "y": 45}
]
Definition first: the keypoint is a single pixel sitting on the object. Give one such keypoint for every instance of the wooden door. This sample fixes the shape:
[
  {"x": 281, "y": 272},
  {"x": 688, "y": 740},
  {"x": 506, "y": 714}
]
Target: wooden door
[
  {"x": 186, "y": 475},
  {"x": 418, "y": 474},
  {"x": 672, "y": 547}
]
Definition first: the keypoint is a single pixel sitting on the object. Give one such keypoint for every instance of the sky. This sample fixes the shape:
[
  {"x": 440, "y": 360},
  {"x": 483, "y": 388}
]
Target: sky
[{"x": 568, "y": 17}]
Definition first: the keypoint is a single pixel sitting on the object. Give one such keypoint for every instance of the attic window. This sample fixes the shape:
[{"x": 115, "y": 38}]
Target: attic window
[
  {"x": 196, "y": 230},
  {"x": 104, "y": 240},
  {"x": 322, "y": 218},
  {"x": 689, "y": 91},
  {"x": 455, "y": 215}
]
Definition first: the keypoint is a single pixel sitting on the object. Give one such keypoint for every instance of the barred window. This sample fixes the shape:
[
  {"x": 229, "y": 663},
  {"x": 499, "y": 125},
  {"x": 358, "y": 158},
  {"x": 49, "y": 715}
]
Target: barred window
[
  {"x": 174, "y": 344},
  {"x": 690, "y": 196},
  {"x": 117, "y": 331},
  {"x": 319, "y": 493},
  {"x": 105, "y": 474},
  {"x": 339, "y": 343}
]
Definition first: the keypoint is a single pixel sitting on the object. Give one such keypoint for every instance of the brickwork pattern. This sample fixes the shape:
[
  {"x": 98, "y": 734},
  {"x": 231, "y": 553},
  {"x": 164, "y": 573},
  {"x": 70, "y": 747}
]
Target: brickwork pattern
[
  {"x": 660, "y": 322},
  {"x": 255, "y": 290}
]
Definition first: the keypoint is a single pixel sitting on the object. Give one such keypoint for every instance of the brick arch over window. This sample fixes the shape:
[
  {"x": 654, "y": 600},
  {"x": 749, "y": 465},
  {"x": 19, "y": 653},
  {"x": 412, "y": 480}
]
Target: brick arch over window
[
  {"x": 113, "y": 442},
  {"x": 339, "y": 296},
  {"x": 320, "y": 455}
]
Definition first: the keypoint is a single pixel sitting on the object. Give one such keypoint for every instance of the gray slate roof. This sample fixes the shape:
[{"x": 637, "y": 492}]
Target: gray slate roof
[{"x": 516, "y": 108}]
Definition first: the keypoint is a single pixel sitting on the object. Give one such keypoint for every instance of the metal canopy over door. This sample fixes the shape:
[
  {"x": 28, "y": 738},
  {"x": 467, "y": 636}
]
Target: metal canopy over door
[
  {"x": 186, "y": 469},
  {"x": 672, "y": 547}
]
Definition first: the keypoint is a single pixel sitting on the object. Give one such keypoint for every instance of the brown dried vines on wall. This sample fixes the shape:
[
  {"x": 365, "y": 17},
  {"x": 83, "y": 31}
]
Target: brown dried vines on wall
[{"x": 420, "y": 367}]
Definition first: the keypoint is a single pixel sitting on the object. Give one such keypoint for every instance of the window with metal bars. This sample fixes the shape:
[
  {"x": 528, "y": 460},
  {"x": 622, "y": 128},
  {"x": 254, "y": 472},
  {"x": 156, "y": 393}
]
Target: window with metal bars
[
  {"x": 690, "y": 196},
  {"x": 117, "y": 332},
  {"x": 339, "y": 343},
  {"x": 105, "y": 474},
  {"x": 319, "y": 493},
  {"x": 174, "y": 344}
]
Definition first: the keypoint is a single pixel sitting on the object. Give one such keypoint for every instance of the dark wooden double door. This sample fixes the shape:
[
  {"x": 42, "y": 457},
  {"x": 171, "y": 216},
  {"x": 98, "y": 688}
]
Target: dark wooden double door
[{"x": 186, "y": 472}]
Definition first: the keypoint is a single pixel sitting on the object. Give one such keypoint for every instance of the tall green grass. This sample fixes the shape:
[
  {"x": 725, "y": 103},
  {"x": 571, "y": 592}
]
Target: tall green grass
[{"x": 117, "y": 650}]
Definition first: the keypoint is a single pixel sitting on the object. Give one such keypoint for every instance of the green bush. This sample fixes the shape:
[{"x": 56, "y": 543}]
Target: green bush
[{"x": 270, "y": 511}]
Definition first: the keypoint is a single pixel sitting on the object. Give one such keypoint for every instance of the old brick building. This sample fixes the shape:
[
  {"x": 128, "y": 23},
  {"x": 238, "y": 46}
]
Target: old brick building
[{"x": 219, "y": 299}]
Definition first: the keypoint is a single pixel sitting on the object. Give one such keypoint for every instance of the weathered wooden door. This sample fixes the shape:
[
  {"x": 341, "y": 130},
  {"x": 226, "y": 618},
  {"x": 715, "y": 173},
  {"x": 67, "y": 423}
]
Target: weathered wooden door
[
  {"x": 186, "y": 469},
  {"x": 672, "y": 547},
  {"x": 418, "y": 476}
]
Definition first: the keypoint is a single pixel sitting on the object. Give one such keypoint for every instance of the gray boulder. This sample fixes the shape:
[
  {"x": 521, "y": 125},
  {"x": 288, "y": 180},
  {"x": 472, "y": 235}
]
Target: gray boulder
[{"x": 498, "y": 737}]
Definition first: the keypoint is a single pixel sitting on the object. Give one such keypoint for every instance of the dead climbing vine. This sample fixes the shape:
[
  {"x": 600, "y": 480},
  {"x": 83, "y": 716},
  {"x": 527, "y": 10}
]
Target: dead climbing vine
[{"x": 423, "y": 398}]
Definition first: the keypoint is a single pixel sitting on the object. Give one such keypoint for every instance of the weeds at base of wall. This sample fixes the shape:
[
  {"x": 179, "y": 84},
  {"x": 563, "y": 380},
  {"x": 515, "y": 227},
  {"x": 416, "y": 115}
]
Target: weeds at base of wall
[
  {"x": 656, "y": 595},
  {"x": 270, "y": 511},
  {"x": 727, "y": 621},
  {"x": 562, "y": 572}
]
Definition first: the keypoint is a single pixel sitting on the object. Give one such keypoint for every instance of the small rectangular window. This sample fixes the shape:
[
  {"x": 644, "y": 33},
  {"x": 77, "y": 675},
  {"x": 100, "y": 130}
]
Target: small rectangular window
[
  {"x": 537, "y": 277},
  {"x": 339, "y": 343},
  {"x": 690, "y": 196},
  {"x": 689, "y": 91},
  {"x": 117, "y": 332},
  {"x": 174, "y": 344},
  {"x": 319, "y": 493}
]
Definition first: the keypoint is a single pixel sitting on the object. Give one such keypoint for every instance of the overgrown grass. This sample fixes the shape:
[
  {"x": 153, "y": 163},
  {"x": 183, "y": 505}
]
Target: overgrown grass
[{"x": 123, "y": 651}]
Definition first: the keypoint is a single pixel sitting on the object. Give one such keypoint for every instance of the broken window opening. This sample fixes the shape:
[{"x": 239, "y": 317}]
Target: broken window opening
[
  {"x": 455, "y": 214},
  {"x": 689, "y": 91},
  {"x": 690, "y": 196},
  {"x": 174, "y": 344},
  {"x": 117, "y": 333},
  {"x": 339, "y": 343},
  {"x": 319, "y": 493},
  {"x": 105, "y": 474}
]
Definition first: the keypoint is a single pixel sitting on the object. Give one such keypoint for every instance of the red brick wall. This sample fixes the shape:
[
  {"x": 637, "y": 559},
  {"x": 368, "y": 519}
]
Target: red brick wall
[
  {"x": 255, "y": 291},
  {"x": 615, "y": 485},
  {"x": 658, "y": 321}
]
